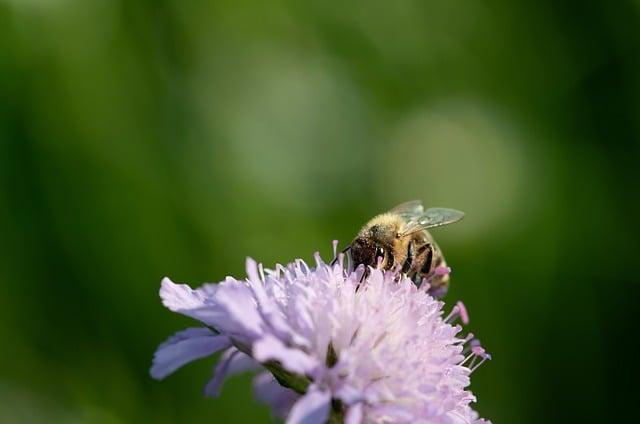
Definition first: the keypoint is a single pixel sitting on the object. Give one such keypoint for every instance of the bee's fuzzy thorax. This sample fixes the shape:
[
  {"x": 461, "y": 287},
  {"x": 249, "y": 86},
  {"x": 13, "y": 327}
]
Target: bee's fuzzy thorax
[{"x": 385, "y": 226}]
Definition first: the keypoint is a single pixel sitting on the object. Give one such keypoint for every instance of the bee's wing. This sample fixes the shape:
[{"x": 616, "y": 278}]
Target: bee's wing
[
  {"x": 409, "y": 210},
  {"x": 433, "y": 217}
]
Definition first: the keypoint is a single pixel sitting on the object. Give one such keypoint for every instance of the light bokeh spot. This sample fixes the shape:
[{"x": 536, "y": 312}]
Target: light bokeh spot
[{"x": 457, "y": 153}]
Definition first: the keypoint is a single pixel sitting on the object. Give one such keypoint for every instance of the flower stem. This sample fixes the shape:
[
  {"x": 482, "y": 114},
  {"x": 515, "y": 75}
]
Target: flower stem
[
  {"x": 336, "y": 413},
  {"x": 295, "y": 382}
]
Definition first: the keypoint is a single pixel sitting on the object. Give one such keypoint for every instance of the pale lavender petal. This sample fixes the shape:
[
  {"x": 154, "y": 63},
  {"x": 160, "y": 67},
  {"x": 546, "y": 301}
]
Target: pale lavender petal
[
  {"x": 241, "y": 309},
  {"x": 197, "y": 304},
  {"x": 232, "y": 362},
  {"x": 312, "y": 408},
  {"x": 184, "y": 347},
  {"x": 251, "y": 266},
  {"x": 395, "y": 413},
  {"x": 178, "y": 297},
  {"x": 273, "y": 317},
  {"x": 349, "y": 395},
  {"x": 354, "y": 414},
  {"x": 280, "y": 399},
  {"x": 269, "y": 348},
  {"x": 208, "y": 289}
]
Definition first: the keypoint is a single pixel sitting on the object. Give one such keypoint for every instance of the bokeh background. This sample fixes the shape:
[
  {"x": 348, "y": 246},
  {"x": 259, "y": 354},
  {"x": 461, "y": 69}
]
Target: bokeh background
[{"x": 140, "y": 139}]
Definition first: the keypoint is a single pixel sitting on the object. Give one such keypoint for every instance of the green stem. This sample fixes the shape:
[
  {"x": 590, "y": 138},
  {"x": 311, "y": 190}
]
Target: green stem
[
  {"x": 295, "y": 382},
  {"x": 336, "y": 413}
]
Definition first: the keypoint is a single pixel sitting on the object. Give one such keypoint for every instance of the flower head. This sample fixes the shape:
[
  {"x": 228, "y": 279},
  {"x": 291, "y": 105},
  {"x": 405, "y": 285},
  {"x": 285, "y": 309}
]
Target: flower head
[{"x": 358, "y": 346}]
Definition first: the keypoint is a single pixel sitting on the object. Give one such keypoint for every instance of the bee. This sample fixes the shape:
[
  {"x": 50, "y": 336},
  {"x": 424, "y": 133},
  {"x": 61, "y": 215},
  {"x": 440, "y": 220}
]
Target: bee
[{"x": 399, "y": 239}]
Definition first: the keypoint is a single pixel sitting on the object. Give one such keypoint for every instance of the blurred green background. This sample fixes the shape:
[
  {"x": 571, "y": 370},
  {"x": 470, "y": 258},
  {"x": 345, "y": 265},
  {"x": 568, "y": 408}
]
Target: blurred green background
[{"x": 140, "y": 139}]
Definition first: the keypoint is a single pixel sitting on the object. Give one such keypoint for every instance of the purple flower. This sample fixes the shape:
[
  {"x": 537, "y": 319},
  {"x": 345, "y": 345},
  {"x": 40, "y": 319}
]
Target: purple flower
[{"x": 330, "y": 342}]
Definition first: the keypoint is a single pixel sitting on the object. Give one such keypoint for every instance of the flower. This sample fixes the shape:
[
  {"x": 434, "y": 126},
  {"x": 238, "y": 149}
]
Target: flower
[{"x": 330, "y": 343}]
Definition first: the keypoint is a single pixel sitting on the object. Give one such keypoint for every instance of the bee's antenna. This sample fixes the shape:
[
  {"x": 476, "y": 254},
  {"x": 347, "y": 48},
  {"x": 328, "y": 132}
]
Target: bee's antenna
[{"x": 345, "y": 250}]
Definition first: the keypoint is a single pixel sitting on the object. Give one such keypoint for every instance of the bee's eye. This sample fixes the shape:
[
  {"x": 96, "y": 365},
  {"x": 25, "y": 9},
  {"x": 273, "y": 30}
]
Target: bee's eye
[{"x": 379, "y": 252}]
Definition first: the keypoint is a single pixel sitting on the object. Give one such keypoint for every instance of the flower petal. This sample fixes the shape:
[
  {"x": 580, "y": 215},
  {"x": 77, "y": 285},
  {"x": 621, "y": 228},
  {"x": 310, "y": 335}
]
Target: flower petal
[
  {"x": 184, "y": 347},
  {"x": 280, "y": 399},
  {"x": 180, "y": 296},
  {"x": 269, "y": 348},
  {"x": 312, "y": 408},
  {"x": 232, "y": 362},
  {"x": 354, "y": 414},
  {"x": 241, "y": 312},
  {"x": 197, "y": 304},
  {"x": 267, "y": 307},
  {"x": 349, "y": 394}
]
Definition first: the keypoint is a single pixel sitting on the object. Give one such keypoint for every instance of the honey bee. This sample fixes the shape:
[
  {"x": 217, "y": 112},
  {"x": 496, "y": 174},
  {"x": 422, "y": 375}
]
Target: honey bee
[{"x": 399, "y": 238}]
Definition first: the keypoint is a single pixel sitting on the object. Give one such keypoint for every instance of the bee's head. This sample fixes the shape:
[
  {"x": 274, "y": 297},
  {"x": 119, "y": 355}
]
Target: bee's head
[{"x": 366, "y": 251}]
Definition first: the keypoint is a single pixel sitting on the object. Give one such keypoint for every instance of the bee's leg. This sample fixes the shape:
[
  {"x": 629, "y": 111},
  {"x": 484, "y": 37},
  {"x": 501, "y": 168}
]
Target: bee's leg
[
  {"x": 426, "y": 266},
  {"x": 365, "y": 272},
  {"x": 417, "y": 280},
  {"x": 406, "y": 267},
  {"x": 422, "y": 261}
]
